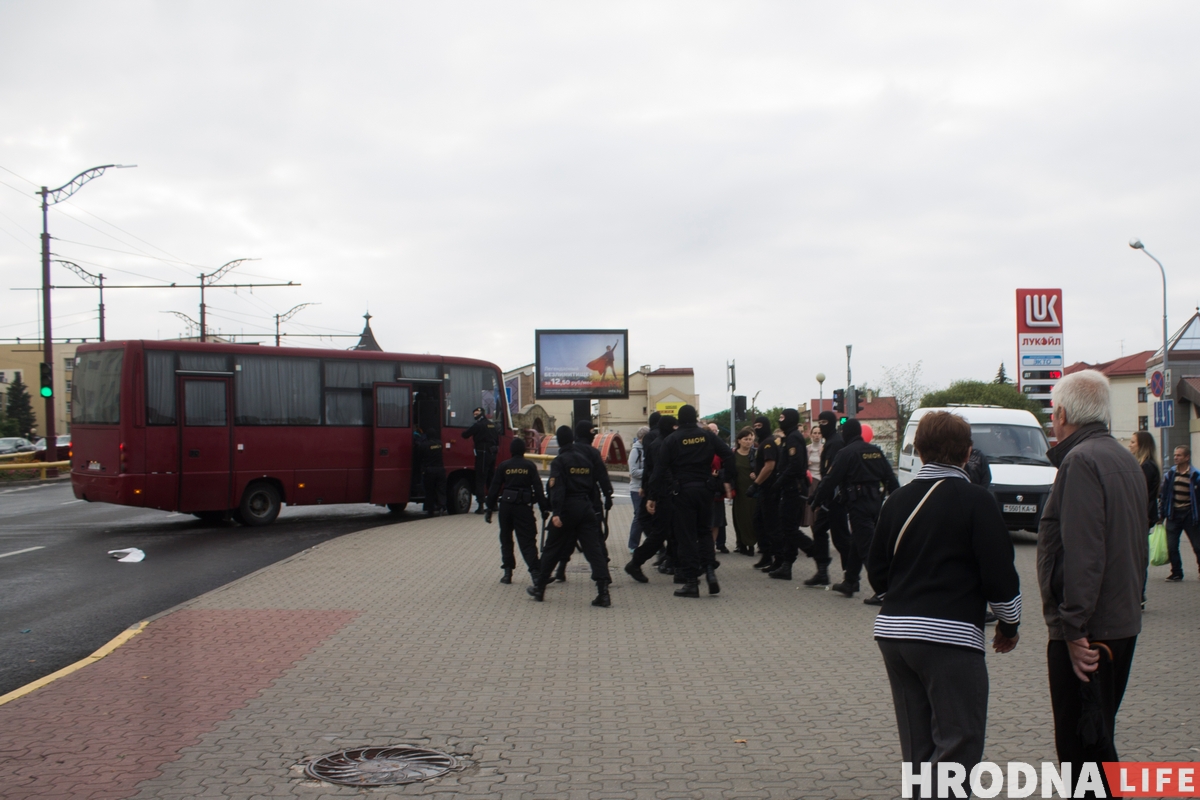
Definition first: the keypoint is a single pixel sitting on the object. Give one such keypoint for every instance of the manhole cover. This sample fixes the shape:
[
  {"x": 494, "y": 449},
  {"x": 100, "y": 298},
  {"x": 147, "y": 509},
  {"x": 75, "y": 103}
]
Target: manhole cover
[{"x": 381, "y": 766}]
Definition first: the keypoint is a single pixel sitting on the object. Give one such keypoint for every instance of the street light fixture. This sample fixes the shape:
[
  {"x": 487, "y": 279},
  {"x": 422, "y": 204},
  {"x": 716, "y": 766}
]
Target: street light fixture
[
  {"x": 51, "y": 197},
  {"x": 210, "y": 279},
  {"x": 1136, "y": 244},
  {"x": 820, "y": 392},
  {"x": 94, "y": 280},
  {"x": 285, "y": 316}
]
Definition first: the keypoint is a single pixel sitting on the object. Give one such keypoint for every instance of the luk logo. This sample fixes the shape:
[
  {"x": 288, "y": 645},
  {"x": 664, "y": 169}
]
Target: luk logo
[{"x": 1040, "y": 311}]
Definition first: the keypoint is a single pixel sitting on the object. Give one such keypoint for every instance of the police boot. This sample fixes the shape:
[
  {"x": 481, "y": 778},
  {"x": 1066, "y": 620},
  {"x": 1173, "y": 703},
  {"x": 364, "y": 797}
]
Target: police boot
[
  {"x": 507, "y": 576},
  {"x": 846, "y": 588},
  {"x": 561, "y": 573},
  {"x": 710, "y": 575},
  {"x": 537, "y": 591},
  {"x": 783, "y": 572},
  {"x": 679, "y": 577},
  {"x": 763, "y": 562},
  {"x": 634, "y": 571},
  {"x": 690, "y": 588},
  {"x": 820, "y": 579},
  {"x": 481, "y": 509},
  {"x": 776, "y": 563},
  {"x": 533, "y": 576},
  {"x": 602, "y": 599}
]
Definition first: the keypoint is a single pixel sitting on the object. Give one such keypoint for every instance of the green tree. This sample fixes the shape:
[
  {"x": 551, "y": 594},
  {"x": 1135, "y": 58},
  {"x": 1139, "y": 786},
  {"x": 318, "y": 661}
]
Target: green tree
[
  {"x": 1001, "y": 375},
  {"x": 1004, "y": 395},
  {"x": 18, "y": 409}
]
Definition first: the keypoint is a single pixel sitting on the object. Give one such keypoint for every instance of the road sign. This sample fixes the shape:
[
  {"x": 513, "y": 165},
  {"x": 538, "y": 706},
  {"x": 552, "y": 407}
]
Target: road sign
[
  {"x": 1156, "y": 384},
  {"x": 1164, "y": 413}
]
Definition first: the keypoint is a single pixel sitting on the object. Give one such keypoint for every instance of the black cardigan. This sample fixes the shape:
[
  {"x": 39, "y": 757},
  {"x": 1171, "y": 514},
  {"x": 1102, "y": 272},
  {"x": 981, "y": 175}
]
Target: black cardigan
[{"x": 955, "y": 558}]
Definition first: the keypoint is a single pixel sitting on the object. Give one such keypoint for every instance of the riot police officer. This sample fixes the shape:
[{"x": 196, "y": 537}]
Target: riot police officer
[
  {"x": 516, "y": 487},
  {"x": 766, "y": 514},
  {"x": 684, "y": 469},
  {"x": 573, "y": 479},
  {"x": 790, "y": 491},
  {"x": 656, "y": 526},
  {"x": 856, "y": 475},
  {"x": 830, "y": 517},
  {"x": 487, "y": 442},
  {"x": 585, "y": 433},
  {"x": 433, "y": 472}
]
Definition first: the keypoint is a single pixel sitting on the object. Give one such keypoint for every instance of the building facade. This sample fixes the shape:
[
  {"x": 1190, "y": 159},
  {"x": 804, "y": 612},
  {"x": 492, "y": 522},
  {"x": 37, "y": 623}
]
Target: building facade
[
  {"x": 1127, "y": 377},
  {"x": 25, "y": 360}
]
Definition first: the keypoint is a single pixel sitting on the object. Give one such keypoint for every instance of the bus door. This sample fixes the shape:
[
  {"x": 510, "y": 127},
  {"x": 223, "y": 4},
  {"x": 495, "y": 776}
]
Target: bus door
[
  {"x": 392, "y": 465},
  {"x": 206, "y": 465}
]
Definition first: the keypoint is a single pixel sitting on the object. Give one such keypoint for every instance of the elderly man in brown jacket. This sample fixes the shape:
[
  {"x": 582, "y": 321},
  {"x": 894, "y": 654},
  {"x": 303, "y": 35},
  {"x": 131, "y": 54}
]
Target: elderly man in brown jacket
[{"x": 1092, "y": 552}]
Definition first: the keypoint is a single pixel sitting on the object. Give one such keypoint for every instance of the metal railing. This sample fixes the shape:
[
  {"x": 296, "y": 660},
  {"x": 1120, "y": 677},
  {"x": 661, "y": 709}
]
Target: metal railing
[{"x": 41, "y": 467}]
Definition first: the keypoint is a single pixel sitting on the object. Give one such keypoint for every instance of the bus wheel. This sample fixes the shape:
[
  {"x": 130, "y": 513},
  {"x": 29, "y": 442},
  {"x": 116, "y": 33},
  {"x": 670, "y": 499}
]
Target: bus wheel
[
  {"x": 260, "y": 505},
  {"x": 459, "y": 497},
  {"x": 397, "y": 508},
  {"x": 210, "y": 517}
]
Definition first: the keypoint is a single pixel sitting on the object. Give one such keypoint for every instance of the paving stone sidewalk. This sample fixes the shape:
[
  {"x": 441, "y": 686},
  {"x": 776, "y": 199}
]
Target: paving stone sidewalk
[{"x": 403, "y": 635}]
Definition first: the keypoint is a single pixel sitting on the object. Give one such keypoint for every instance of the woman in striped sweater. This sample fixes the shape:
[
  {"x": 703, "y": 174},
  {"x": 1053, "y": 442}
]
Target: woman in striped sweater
[{"x": 941, "y": 554}]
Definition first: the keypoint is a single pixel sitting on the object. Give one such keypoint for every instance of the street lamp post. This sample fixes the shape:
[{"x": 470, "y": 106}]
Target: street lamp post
[
  {"x": 285, "y": 316},
  {"x": 51, "y": 197},
  {"x": 1136, "y": 244},
  {"x": 209, "y": 280},
  {"x": 94, "y": 280},
  {"x": 820, "y": 392}
]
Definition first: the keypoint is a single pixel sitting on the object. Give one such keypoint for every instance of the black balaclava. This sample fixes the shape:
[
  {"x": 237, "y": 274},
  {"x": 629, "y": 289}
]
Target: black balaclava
[
  {"x": 564, "y": 436},
  {"x": 851, "y": 430},
  {"x": 516, "y": 448},
  {"x": 584, "y": 431},
  {"x": 652, "y": 424},
  {"x": 688, "y": 415},
  {"x": 666, "y": 425},
  {"x": 790, "y": 421},
  {"x": 764, "y": 431},
  {"x": 828, "y": 423},
  {"x": 479, "y": 413}
]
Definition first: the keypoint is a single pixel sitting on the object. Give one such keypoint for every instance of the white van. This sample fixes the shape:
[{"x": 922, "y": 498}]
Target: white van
[{"x": 1015, "y": 446}]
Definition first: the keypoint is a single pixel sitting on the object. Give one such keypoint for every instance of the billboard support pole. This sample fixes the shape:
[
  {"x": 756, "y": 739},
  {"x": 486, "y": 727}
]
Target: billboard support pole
[{"x": 582, "y": 410}]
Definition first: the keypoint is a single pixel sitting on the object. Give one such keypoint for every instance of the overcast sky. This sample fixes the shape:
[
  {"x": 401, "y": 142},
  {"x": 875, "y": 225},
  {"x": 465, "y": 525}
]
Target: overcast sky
[{"x": 765, "y": 182}]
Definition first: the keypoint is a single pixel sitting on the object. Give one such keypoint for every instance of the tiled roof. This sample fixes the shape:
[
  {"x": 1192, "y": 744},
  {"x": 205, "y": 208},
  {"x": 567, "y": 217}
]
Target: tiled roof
[
  {"x": 1119, "y": 367},
  {"x": 879, "y": 408}
]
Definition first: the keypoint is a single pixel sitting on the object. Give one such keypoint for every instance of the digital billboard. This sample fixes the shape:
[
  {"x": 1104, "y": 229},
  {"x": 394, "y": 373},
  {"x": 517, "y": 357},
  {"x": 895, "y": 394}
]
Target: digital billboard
[{"x": 579, "y": 364}]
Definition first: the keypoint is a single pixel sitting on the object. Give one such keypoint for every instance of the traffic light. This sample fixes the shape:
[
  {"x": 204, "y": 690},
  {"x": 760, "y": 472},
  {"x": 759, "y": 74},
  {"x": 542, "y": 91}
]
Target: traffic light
[
  {"x": 739, "y": 407},
  {"x": 858, "y": 403},
  {"x": 839, "y": 400},
  {"x": 47, "y": 381}
]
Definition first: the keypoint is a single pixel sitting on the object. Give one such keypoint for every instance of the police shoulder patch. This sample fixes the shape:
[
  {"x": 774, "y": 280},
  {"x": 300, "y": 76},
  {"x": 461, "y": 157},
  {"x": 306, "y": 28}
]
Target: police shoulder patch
[
  {"x": 551, "y": 484},
  {"x": 791, "y": 451}
]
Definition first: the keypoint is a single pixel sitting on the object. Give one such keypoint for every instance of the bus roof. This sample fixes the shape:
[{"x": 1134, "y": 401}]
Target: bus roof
[{"x": 257, "y": 349}]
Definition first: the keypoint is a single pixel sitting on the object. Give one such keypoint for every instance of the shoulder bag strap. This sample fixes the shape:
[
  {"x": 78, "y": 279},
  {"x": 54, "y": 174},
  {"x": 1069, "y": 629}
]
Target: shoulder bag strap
[{"x": 913, "y": 514}]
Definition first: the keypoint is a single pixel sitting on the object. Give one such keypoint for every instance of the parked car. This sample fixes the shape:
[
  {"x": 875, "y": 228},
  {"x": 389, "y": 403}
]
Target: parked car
[
  {"x": 15, "y": 444},
  {"x": 64, "y": 446},
  {"x": 1014, "y": 445}
]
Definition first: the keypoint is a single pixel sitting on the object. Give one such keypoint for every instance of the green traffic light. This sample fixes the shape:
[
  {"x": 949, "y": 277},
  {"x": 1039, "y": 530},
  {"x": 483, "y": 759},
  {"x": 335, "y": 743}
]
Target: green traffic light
[
  {"x": 842, "y": 421},
  {"x": 47, "y": 391}
]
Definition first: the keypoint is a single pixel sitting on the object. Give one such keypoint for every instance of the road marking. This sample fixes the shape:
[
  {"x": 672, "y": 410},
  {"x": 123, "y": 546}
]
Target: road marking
[
  {"x": 112, "y": 645},
  {"x": 26, "y": 550},
  {"x": 69, "y": 502}
]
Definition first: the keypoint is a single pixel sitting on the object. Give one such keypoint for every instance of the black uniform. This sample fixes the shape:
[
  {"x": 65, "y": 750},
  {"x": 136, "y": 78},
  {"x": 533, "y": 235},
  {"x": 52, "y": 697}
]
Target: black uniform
[
  {"x": 766, "y": 511},
  {"x": 656, "y": 527},
  {"x": 791, "y": 492},
  {"x": 602, "y": 484},
  {"x": 856, "y": 475},
  {"x": 487, "y": 442},
  {"x": 684, "y": 470},
  {"x": 573, "y": 478},
  {"x": 830, "y": 517},
  {"x": 516, "y": 487},
  {"x": 433, "y": 471}
]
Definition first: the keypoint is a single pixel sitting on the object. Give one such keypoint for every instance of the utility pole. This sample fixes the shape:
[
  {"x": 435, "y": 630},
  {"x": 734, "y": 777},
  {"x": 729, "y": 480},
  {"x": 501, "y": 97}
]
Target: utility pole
[
  {"x": 731, "y": 374},
  {"x": 51, "y": 197},
  {"x": 209, "y": 280},
  {"x": 94, "y": 280},
  {"x": 285, "y": 316}
]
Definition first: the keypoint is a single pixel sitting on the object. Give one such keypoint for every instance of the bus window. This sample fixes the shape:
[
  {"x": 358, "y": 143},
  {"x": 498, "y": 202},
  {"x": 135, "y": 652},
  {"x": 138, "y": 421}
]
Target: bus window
[
  {"x": 468, "y": 388},
  {"x": 96, "y": 388},
  {"x": 204, "y": 402},
  {"x": 204, "y": 362},
  {"x": 420, "y": 371},
  {"x": 427, "y": 407},
  {"x": 393, "y": 406},
  {"x": 160, "y": 387},
  {"x": 273, "y": 390}
]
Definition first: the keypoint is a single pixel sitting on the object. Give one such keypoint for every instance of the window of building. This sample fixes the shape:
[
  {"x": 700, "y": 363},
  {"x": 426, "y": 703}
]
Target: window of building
[
  {"x": 69, "y": 363},
  {"x": 1141, "y": 394},
  {"x": 1143, "y": 423}
]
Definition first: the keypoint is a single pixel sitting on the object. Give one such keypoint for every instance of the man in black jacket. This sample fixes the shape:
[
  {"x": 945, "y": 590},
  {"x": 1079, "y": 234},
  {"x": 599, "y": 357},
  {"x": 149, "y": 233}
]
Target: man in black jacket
[
  {"x": 684, "y": 469},
  {"x": 572, "y": 481},
  {"x": 791, "y": 487},
  {"x": 830, "y": 517},
  {"x": 516, "y": 487},
  {"x": 856, "y": 476},
  {"x": 656, "y": 525},
  {"x": 585, "y": 434},
  {"x": 766, "y": 513},
  {"x": 433, "y": 471},
  {"x": 487, "y": 442}
]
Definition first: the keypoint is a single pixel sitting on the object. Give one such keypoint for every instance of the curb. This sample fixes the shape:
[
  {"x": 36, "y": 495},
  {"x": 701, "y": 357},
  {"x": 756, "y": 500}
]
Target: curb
[{"x": 112, "y": 645}]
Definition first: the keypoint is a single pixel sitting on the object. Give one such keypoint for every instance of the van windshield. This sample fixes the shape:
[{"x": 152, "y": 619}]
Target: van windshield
[{"x": 1011, "y": 444}]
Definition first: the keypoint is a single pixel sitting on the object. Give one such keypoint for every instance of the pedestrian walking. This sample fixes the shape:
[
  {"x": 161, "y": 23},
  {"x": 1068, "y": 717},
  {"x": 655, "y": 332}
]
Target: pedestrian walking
[
  {"x": 940, "y": 555},
  {"x": 766, "y": 519},
  {"x": 1092, "y": 551},
  {"x": 515, "y": 489},
  {"x": 791, "y": 493},
  {"x": 1141, "y": 444},
  {"x": 637, "y": 464},
  {"x": 829, "y": 518},
  {"x": 1179, "y": 506},
  {"x": 573, "y": 481},
  {"x": 743, "y": 504},
  {"x": 657, "y": 510}
]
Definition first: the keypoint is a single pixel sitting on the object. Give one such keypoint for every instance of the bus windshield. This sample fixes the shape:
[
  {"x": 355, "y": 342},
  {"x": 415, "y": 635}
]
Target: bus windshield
[{"x": 1010, "y": 444}]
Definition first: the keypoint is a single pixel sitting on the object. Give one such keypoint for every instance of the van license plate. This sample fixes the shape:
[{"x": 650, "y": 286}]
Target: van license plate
[{"x": 1015, "y": 508}]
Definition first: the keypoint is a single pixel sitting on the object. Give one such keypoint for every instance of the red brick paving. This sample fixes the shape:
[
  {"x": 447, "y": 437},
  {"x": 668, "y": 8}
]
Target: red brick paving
[{"x": 99, "y": 732}]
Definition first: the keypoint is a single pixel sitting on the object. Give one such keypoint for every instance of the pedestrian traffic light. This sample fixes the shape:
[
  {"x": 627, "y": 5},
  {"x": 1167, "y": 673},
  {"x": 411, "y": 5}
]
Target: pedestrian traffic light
[
  {"x": 839, "y": 399},
  {"x": 47, "y": 381},
  {"x": 739, "y": 407}
]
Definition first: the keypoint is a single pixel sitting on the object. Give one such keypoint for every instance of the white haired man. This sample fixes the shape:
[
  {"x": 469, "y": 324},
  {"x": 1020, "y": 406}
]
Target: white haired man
[{"x": 1092, "y": 553}]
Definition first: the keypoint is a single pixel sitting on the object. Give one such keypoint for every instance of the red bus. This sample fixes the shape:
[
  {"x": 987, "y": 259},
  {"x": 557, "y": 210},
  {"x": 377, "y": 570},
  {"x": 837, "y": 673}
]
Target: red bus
[{"x": 218, "y": 429}]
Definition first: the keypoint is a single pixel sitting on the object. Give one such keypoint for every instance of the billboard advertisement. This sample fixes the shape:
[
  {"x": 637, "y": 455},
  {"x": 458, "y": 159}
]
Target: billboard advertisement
[{"x": 577, "y": 364}]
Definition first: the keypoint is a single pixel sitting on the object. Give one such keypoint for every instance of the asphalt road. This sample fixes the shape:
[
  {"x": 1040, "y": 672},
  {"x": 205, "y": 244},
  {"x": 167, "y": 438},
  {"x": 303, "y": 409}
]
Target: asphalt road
[{"x": 63, "y": 600}]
